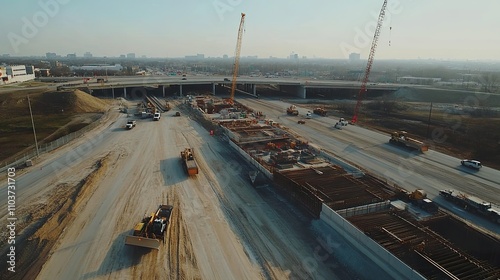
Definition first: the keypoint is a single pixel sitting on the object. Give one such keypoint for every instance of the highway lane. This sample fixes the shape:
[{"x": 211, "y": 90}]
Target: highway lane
[{"x": 370, "y": 150}]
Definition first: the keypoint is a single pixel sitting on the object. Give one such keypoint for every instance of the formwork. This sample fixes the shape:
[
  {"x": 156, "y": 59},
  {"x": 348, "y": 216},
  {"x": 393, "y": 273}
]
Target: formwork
[
  {"x": 330, "y": 185},
  {"x": 429, "y": 249}
]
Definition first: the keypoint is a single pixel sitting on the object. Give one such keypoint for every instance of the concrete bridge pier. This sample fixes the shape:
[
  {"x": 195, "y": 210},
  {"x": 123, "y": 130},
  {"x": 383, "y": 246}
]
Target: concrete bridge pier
[
  {"x": 213, "y": 89},
  {"x": 180, "y": 90},
  {"x": 113, "y": 92},
  {"x": 254, "y": 89},
  {"x": 125, "y": 92}
]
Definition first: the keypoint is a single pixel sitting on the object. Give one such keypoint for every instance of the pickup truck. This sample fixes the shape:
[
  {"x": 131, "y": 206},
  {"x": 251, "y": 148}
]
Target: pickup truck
[{"x": 130, "y": 124}]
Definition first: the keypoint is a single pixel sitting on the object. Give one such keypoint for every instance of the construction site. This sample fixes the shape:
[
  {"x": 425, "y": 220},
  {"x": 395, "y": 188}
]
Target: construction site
[
  {"x": 387, "y": 219},
  {"x": 208, "y": 224}
]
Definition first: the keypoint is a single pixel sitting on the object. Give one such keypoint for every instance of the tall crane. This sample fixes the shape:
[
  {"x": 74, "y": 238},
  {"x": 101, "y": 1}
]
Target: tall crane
[
  {"x": 370, "y": 62},
  {"x": 237, "y": 58}
]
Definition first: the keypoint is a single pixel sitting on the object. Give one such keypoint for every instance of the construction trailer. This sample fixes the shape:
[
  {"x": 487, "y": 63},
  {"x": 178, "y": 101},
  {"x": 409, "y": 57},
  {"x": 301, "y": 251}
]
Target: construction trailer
[
  {"x": 401, "y": 138},
  {"x": 472, "y": 204},
  {"x": 150, "y": 232}
]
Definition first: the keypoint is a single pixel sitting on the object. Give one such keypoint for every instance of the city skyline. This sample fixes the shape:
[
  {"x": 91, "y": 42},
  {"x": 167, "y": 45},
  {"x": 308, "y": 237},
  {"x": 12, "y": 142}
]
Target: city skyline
[{"x": 412, "y": 29}]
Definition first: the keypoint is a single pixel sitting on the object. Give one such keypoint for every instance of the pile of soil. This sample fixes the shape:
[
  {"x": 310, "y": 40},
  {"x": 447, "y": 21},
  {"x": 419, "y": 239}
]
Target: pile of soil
[{"x": 55, "y": 113}]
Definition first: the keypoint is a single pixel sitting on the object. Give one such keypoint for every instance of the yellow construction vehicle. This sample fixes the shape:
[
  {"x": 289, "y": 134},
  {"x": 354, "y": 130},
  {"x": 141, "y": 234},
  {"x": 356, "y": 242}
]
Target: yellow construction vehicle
[
  {"x": 188, "y": 161},
  {"x": 150, "y": 232}
]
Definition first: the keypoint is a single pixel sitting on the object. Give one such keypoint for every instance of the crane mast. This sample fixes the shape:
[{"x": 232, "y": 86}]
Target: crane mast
[
  {"x": 370, "y": 62},
  {"x": 237, "y": 58}
]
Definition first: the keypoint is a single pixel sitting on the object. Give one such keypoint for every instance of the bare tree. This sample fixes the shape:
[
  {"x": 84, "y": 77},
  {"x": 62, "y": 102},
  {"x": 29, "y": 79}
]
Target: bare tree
[{"x": 489, "y": 81}]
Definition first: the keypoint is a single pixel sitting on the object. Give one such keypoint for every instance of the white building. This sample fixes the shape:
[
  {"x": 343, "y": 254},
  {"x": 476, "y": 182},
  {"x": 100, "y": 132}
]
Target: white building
[{"x": 16, "y": 74}]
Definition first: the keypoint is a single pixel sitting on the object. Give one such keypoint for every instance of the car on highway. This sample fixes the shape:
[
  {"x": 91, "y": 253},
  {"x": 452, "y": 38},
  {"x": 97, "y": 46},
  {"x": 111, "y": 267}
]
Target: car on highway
[
  {"x": 471, "y": 163},
  {"x": 226, "y": 80},
  {"x": 301, "y": 121}
]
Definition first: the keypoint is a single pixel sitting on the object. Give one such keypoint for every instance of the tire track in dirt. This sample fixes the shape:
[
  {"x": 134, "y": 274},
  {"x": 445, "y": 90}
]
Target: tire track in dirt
[{"x": 59, "y": 212}]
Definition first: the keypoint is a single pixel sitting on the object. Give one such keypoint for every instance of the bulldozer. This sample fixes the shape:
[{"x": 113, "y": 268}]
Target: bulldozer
[{"x": 150, "y": 232}]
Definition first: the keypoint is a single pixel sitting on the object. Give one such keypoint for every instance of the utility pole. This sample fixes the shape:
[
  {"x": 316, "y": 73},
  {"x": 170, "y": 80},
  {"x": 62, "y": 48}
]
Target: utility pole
[
  {"x": 429, "y": 122},
  {"x": 33, "y": 124}
]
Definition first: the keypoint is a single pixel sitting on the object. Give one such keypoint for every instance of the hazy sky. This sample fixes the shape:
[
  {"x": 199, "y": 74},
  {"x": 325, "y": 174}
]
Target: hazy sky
[{"x": 444, "y": 29}]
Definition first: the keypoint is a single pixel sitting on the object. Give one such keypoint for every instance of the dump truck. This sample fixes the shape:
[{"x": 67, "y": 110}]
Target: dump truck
[
  {"x": 400, "y": 138},
  {"x": 473, "y": 204},
  {"x": 292, "y": 110},
  {"x": 320, "y": 111},
  {"x": 150, "y": 232},
  {"x": 188, "y": 161}
]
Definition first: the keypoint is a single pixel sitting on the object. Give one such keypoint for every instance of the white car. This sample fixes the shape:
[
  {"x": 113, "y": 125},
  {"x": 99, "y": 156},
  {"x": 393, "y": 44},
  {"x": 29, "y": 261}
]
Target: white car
[{"x": 471, "y": 163}]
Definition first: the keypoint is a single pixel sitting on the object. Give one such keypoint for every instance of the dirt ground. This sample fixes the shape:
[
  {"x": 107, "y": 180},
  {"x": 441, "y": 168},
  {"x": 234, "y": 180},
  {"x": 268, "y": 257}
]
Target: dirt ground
[{"x": 73, "y": 222}]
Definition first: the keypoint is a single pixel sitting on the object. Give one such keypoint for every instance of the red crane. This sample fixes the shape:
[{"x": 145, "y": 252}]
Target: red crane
[
  {"x": 370, "y": 62},
  {"x": 237, "y": 58}
]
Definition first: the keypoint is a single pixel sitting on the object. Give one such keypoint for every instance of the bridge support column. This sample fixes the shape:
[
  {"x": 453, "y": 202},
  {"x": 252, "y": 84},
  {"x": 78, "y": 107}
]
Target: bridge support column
[
  {"x": 213, "y": 89},
  {"x": 301, "y": 92},
  {"x": 113, "y": 92},
  {"x": 125, "y": 92},
  {"x": 180, "y": 90},
  {"x": 254, "y": 89}
]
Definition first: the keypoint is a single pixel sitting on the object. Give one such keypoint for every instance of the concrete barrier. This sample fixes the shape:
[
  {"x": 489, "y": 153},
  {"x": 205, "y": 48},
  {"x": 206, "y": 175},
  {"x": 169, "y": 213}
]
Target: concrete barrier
[{"x": 383, "y": 258}]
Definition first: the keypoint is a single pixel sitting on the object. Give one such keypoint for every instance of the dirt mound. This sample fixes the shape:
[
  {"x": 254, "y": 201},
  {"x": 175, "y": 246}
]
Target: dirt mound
[{"x": 86, "y": 103}]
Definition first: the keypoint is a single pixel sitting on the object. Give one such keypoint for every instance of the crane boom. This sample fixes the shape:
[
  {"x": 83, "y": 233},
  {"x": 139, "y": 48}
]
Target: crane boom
[
  {"x": 237, "y": 58},
  {"x": 370, "y": 61}
]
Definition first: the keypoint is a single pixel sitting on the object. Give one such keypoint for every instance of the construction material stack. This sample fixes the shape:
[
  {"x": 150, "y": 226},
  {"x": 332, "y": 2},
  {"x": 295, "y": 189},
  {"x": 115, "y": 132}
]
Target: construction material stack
[
  {"x": 401, "y": 138},
  {"x": 150, "y": 232},
  {"x": 188, "y": 161}
]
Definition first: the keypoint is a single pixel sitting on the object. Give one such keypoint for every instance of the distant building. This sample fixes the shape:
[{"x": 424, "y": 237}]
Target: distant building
[
  {"x": 418, "y": 80},
  {"x": 354, "y": 57},
  {"x": 123, "y": 56},
  {"x": 42, "y": 72},
  {"x": 71, "y": 55},
  {"x": 87, "y": 55},
  {"x": 116, "y": 67},
  {"x": 16, "y": 74},
  {"x": 197, "y": 56},
  {"x": 51, "y": 55},
  {"x": 131, "y": 55},
  {"x": 225, "y": 56},
  {"x": 294, "y": 56}
]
